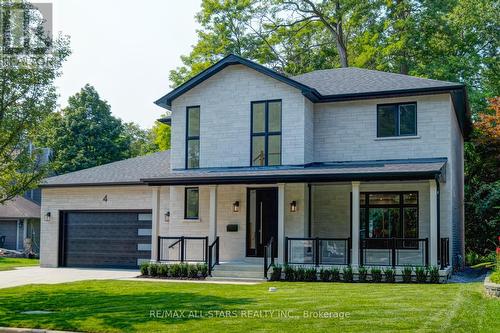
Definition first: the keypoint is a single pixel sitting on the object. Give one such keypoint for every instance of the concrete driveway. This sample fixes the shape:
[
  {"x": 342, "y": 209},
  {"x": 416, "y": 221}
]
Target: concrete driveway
[{"x": 39, "y": 275}]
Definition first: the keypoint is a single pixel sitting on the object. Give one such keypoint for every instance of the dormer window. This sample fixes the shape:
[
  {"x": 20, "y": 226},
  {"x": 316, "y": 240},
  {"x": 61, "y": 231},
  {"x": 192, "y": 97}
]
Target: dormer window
[
  {"x": 396, "y": 120},
  {"x": 266, "y": 133},
  {"x": 192, "y": 137}
]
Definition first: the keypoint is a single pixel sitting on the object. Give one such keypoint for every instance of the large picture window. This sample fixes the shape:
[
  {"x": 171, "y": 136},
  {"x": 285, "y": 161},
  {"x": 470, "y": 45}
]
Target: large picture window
[
  {"x": 397, "y": 119},
  {"x": 191, "y": 203},
  {"x": 389, "y": 214},
  {"x": 192, "y": 137},
  {"x": 266, "y": 133}
]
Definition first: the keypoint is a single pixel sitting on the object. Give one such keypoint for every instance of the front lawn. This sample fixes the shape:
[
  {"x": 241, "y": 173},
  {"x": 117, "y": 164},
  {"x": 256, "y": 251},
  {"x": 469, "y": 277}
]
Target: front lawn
[
  {"x": 129, "y": 306},
  {"x": 11, "y": 263}
]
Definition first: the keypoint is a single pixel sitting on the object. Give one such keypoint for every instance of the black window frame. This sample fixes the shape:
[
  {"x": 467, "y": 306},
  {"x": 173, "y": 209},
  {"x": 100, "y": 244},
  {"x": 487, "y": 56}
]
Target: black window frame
[
  {"x": 266, "y": 134},
  {"x": 186, "y": 190},
  {"x": 193, "y": 137},
  {"x": 401, "y": 205},
  {"x": 397, "y": 120}
]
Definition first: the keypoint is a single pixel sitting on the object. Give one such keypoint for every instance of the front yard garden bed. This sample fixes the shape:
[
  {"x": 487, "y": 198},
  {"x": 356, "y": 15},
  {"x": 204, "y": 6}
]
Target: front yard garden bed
[{"x": 183, "y": 271}]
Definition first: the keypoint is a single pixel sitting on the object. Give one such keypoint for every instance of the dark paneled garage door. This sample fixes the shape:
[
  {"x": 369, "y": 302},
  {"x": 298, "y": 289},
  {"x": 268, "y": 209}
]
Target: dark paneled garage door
[{"x": 105, "y": 239}]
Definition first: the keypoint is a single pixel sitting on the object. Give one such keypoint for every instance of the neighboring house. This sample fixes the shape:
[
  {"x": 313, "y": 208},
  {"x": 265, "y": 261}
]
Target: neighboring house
[{"x": 333, "y": 167}]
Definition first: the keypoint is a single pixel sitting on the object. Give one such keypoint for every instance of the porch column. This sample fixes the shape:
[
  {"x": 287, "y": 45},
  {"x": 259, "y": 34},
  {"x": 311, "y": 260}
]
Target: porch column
[
  {"x": 355, "y": 224},
  {"x": 212, "y": 221},
  {"x": 433, "y": 213},
  {"x": 155, "y": 219},
  {"x": 281, "y": 222},
  {"x": 25, "y": 232}
]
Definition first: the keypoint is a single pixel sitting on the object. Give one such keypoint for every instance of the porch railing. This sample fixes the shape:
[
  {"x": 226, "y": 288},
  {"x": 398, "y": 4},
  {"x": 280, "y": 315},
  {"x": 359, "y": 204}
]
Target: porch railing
[
  {"x": 268, "y": 256},
  {"x": 213, "y": 255},
  {"x": 444, "y": 252},
  {"x": 318, "y": 251},
  {"x": 181, "y": 249},
  {"x": 394, "y": 251}
]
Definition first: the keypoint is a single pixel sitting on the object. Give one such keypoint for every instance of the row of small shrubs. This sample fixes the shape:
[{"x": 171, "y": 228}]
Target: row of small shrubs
[
  {"x": 335, "y": 274},
  {"x": 181, "y": 270}
]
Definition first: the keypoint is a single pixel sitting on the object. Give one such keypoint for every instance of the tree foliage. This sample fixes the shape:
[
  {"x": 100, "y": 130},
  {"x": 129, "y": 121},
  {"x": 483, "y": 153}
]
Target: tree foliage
[{"x": 27, "y": 97}]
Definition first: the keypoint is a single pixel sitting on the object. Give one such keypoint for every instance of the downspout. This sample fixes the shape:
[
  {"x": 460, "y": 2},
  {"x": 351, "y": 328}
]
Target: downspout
[{"x": 438, "y": 218}]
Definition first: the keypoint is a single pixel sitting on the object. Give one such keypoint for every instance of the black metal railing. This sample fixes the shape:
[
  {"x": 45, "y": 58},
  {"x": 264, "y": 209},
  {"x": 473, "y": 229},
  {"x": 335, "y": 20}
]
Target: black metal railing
[
  {"x": 268, "y": 256},
  {"x": 213, "y": 255},
  {"x": 444, "y": 252},
  {"x": 318, "y": 251},
  {"x": 394, "y": 251},
  {"x": 192, "y": 249}
]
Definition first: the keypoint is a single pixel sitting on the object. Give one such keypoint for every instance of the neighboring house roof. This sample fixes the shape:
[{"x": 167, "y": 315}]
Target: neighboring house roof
[
  {"x": 319, "y": 172},
  {"x": 125, "y": 172},
  {"x": 19, "y": 208},
  {"x": 165, "y": 120},
  {"x": 342, "y": 84}
]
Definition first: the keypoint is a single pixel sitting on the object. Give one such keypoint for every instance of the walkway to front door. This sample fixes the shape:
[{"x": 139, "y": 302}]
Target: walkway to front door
[{"x": 262, "y": 220}]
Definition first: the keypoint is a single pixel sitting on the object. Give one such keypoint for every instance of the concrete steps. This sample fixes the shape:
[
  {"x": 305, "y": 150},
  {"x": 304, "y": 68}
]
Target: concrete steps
[{"x": 247, "y": 270}]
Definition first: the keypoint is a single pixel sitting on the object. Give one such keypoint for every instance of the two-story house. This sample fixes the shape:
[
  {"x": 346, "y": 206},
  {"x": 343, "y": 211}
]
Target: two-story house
[{"x": 333, "y": 167}]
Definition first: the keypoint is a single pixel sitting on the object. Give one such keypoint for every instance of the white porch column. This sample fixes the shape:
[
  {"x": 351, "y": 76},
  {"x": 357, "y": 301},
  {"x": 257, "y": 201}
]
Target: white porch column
[
  {"x": 155, "y": 217},
  {"x": 355, "y": 224},
  {"x": 25, "y": 232},
  {"x": 212, "y": 221},
  {"x": 281, "y": 222},
  {"x": 433, "y": 250}
]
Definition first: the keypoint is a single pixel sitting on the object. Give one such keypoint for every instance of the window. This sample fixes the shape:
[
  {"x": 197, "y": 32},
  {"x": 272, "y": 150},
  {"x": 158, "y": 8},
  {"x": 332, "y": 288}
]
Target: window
[
  {"x": 191, "y": 203},
  {"x": 192, "y": 137},
  {"x": 389, "y": 214},
  {"x": 397, "y": 119},
  {"x": 266, "y": 133}
]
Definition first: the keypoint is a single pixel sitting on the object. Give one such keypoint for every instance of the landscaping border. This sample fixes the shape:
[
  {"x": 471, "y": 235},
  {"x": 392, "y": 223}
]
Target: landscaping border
[{"x": 492, "y": 289}]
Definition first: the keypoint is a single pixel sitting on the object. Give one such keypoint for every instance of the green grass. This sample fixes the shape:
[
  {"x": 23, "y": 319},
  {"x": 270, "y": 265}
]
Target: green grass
[
  {"x": 11, "y": 263},
  {"x": 125, "y": 306},
  {"x": 495, "y": 277}
]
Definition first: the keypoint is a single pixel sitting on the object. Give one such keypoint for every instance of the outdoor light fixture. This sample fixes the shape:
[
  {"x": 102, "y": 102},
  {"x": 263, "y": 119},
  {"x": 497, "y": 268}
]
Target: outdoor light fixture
[
  {"x": 236, "y": 206},
  {"x": 47, "y": 216},
  {"x": 293, "y": 206},
  {"x": 167, "y": 216}
]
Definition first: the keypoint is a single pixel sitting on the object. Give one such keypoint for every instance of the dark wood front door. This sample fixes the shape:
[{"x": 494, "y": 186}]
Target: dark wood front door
[{"x": 262, "y": 221}]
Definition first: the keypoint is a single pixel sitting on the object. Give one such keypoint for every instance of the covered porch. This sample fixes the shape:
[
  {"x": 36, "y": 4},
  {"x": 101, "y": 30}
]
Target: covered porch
[{"x": 383, "y": 214}]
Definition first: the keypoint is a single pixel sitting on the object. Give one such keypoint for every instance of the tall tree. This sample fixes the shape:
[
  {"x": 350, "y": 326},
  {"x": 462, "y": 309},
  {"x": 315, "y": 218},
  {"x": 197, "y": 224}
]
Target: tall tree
[
  {"x": 161, "y": 136},
  {"x": 141, "y": 141},
  {"x": 27, "y": 93},
  {"x": 85, "y": 134}
]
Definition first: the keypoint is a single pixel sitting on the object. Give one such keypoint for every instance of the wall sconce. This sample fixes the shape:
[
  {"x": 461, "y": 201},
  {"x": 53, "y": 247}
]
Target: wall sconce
[
  {"x": 293, "y": 206},
  {"x": 236, "y": 206},
  {"x": 47, "y": 216},
  {"x": 167, "y": 216}
]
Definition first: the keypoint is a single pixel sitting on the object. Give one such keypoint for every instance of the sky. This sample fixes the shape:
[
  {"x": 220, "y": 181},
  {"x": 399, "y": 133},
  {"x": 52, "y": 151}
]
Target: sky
[{"x": 125, "y": 49}]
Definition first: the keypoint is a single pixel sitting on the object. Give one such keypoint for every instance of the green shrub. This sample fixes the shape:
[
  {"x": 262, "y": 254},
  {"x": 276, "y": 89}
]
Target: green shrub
[
  {"x": 175, "y": 270},
  {"x": 183, "y": 269},
  {"x": 347, "y": 274},
  {"x": 192, "y": 271},
  {"x": 376, "y": 274},
  {"x": 434, "y": 274},
  {"x": 335, "y": 274},
  {"x": 289, "y": 273},
  {"x": 163, "y": 270},
  {"x": 145, "y": 268},
  {"x": 276, "y": 273},
  {"x": 407, "y": 270},
  {"x": 310, "y": 274},
  {"x": 325, "y": 274},
  {"x": 362, "y": 273},
  {"x": 390, "y": 275},
  {"x": 495, "y": 277},
  {"x": 154, "y": 269},
  {"x": 421, "y": 274},
  {"x": 203, "y": 269},
  {"x": 300, "y": 273},
  {"x": 471, "y": 258}
]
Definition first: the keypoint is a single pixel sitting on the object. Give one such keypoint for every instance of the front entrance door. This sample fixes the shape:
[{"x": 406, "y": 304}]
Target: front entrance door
[{"x": 262, "y": 220}]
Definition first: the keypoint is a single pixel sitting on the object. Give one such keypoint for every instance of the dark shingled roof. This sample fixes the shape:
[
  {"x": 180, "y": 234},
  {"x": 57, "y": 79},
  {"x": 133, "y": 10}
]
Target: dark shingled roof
[
  {"x": 320, "y": 172},
  {"x": 354, "y": 80},
  {"x": 126, "y": 172},
  {"x": 19, "y": 208}
]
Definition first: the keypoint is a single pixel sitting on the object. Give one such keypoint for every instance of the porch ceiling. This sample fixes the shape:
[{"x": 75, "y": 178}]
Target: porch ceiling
[{"x": 414, "y": 169}]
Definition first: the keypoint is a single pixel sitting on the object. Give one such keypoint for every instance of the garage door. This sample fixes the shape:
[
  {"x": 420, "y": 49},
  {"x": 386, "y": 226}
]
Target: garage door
[
  {"x": 105, "y": 239},
  {"x": 9, "y": 230}
]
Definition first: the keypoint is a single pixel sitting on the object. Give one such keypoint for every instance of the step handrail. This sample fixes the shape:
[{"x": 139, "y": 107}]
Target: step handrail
[{"x": 212, "y": 263}]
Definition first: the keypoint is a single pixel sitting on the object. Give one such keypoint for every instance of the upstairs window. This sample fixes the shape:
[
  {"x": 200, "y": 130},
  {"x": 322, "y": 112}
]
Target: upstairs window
[
  {"x": 266, "y": 133},
  {"x": 192, "y": 137},
  {"x": 396, "y": 120}
]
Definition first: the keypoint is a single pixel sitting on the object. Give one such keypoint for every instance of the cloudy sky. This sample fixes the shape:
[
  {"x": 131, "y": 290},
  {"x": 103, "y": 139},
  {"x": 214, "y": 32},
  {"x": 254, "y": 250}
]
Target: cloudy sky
[{"x": 125, "y": 49}]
